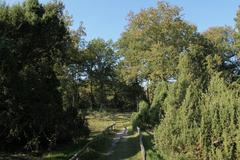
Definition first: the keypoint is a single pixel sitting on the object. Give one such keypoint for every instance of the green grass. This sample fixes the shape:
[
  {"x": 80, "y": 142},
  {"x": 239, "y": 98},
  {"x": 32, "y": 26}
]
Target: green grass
[
  {"x": 98, "y": 121},
  {"x": 125, "y": 149},
  {"x": 17, "y": 156},
  {"x": 64, "y": 152},
  {"x": 130, "y": 148}
]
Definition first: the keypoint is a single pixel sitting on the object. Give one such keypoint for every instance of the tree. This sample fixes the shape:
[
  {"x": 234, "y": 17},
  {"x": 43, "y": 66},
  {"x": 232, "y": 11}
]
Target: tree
[
  {"x": 156, "y": 111},
  {"x": 153, "y": 42},
  {"x": 34, "y": 40},
  {"x": 225, "y": 56},
  {"x": 219, "y": 121},
  {"x": 176, "y": 136},
  {"x": 96, "y": 69},
  {"x": 200, "y": 102},
  {"x": 99, "y": 70},
  {"x": 140, "y": 118}
]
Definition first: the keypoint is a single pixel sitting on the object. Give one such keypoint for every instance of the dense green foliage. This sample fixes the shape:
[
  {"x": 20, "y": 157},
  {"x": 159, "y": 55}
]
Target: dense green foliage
[
  {"x": 195, "y": 109},
  {"x": 140, "y": 119},
  {"x": 152, "y": 43},
  {"x": 101, "y": 83},
  {"x": 50, "y": 76},
  {"x": 34, "y": 39}
]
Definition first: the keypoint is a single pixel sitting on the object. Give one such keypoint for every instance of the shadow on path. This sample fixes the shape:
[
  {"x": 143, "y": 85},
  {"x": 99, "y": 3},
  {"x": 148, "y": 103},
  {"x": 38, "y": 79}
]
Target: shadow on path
[{"x": 127, "y": 147}]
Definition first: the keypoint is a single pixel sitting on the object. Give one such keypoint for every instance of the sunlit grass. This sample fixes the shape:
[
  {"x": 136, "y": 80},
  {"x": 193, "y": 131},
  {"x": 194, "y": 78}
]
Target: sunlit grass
[
  {"x": 130, "y": 149},
  {"x": 97, "y": 122}
]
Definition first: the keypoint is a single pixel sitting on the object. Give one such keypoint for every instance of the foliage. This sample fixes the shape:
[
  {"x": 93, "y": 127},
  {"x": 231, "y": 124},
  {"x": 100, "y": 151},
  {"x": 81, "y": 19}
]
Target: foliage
[
  {"x": 140, "y": 118},
  {"x": 156, "y": 112},
  {"x": 224, "y": 59},
  {"x": 34, "y": 39},
  {"x": 50, "y": 76},
  {"x": 176, "y": 134},
  {"x": 218, "y": 138},
  {"x": 201, "y": 113},
  {"x": 186, "y": 129},
  {"x": 152, "y": 43},
  {"x": 96, "y": 70}
]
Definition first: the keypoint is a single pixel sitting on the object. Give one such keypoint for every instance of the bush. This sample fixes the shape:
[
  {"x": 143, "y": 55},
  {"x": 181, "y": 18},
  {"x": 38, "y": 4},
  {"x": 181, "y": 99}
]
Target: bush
[
  {"x": 140, "y": 118},
  {"x": 205, "y": 126},
  {"x": 156, "y": 112}
]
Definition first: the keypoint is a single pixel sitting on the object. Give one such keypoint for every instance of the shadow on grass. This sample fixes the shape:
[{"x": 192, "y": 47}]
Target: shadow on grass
[
  {"x": 11, "y": 157},
  {"x": 97, "y": 150},
  {"x": 149, "y": 147},
  {"x": 129, "y": 147},
  {"x": 63, "y": 152},
  {"x": 19, "y": 156},
  {"x": 126, "y": 148}
]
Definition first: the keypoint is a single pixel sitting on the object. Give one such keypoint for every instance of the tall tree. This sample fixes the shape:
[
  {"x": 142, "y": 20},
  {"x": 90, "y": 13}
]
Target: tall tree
[
  {"x": 99, "y": 69},
  {"x": 34, "y": 39},
  {"x": 101, "y": 82},
  {"x": 152, "y": 43}
]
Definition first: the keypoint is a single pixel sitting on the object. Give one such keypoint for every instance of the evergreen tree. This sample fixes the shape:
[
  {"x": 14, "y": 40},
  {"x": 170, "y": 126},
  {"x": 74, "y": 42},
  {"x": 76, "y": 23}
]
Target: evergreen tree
[
  {"x": 34, "y": 40},
  {"x": 176, "y": 136},
  {"x": 219, "y": 121},
  {"x": 156, "y": 112}
]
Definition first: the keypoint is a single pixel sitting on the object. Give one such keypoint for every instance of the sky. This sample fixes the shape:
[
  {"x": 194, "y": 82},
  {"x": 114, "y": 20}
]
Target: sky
[{"x": 107, "y": 19}]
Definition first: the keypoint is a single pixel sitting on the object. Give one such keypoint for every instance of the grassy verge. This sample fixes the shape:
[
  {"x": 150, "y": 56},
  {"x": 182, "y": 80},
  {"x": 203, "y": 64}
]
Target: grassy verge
[{"x": 63, "y": 152}]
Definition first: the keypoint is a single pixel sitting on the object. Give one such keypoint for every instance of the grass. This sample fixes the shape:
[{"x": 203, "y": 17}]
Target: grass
[
  {"x": 97, "y": 122},
  {"x": 125, "y": 149},
  {"x": 63, "y": 152},
  {"x": 17, "y": 156},
  {"x": 128, "y": 148}
]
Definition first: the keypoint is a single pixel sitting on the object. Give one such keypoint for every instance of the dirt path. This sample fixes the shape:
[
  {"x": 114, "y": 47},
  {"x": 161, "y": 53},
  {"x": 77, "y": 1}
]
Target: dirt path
[
  {"x": 124, "y": 146},
  {"x": 119, "y": 136}
]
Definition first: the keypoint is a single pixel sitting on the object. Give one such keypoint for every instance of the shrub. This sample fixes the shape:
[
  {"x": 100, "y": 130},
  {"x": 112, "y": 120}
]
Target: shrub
[
  {"x": 156, "y": 112},
  {"x": 140, "y": 118}
]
